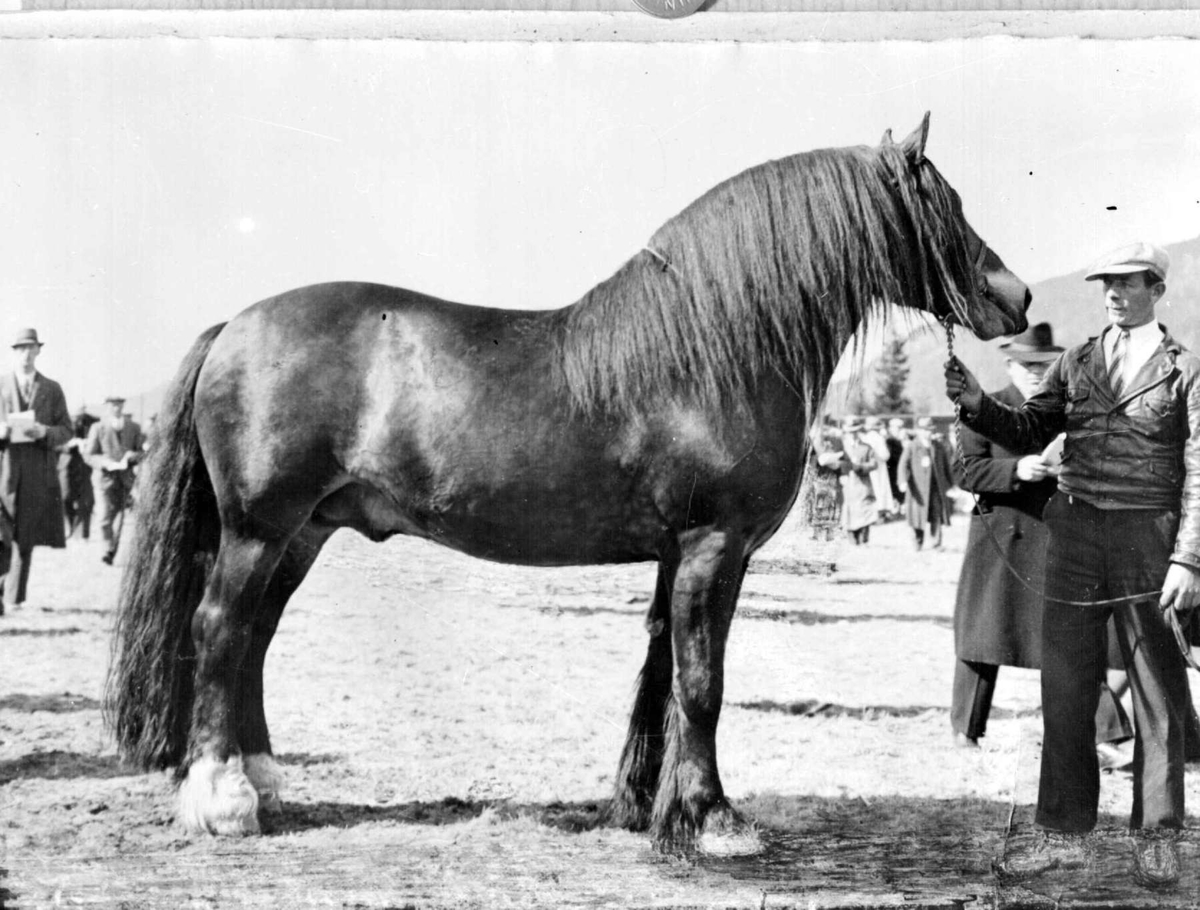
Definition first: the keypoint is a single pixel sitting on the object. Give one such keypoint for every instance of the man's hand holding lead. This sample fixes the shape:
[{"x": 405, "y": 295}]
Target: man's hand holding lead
[
  {"x": 961, "y": 386},
  {"x": 1181, "y": 589}
]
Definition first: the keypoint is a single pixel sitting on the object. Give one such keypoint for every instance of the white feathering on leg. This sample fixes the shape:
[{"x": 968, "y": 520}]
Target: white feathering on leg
[
  {"x": 266, "y": 776},
  {"x": 218, "y": 798}
]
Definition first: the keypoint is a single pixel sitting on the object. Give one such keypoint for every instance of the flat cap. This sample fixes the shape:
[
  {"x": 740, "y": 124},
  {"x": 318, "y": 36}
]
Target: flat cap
[{"x": 1133, "y": 257}]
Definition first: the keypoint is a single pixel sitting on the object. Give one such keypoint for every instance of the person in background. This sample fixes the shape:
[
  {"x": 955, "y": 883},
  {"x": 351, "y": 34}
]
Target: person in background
[
  {"x": 75, "y": 478},
  {"x": 859, "y": 461},
  {"x": 114, "y": 446},
  {"x": 896, "y": 438},
  {"x": 822, "y": 496},
  {"x": 34, "y": 422},
  {"x": 1124, "y": 523},
  {"x": 924, "y": 477},
  {"x": 873, "y": 436}
]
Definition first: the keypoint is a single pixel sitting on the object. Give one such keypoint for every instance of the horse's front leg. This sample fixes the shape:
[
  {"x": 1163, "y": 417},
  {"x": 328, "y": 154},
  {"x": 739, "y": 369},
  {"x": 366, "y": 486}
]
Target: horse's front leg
[
  {"x": 216, "y": 795},
  {"x": 645, "y": 744},
  {"x": 690, "y": 800}
]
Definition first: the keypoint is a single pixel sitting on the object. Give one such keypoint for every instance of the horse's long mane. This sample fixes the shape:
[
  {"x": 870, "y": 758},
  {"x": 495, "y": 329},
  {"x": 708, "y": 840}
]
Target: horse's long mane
[{"x": 773, "y": 269}]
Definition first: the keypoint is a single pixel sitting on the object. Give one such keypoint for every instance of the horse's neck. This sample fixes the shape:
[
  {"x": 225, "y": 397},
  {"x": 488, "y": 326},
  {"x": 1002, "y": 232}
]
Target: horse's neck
[{"x": 810, "y": 378}]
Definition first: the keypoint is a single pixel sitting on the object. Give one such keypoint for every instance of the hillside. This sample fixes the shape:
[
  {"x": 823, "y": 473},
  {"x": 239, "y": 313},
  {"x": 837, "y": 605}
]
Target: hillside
[{"x": 1075, "y": 309}]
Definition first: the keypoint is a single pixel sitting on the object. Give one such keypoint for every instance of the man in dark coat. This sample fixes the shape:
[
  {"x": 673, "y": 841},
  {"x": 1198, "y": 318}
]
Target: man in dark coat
[
  {"x": 924, "y": 477},
  {"x": 34, "y": 422},
  {"x": 75, "y": 479},
  {"x": 997, "y": 619}
]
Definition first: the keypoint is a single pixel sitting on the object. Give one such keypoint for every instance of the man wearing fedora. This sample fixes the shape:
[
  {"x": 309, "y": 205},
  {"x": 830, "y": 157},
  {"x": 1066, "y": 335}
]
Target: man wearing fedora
[
  {"x": 925, "y": 476},
  {"x": 34, "y": 422},
  {"x": 1124, "y": 521},
  {"x": 114, "y": 446},
  {"x": 997, "y": 619}
]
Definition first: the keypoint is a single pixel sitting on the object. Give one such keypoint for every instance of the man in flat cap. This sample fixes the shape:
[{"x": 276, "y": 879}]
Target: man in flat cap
[
  {"x": 114, "y": 446},
  {"x": 34, "y": 422},
  {"x": 1124, "y": 521}
]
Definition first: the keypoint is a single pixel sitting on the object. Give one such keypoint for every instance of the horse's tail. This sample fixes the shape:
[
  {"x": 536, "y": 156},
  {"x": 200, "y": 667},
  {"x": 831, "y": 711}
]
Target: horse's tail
[{"x": 148, "y": 694}]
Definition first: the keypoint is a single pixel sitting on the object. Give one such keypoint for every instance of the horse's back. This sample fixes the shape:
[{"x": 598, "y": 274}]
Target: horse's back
[{"x": 378, "y": 407}]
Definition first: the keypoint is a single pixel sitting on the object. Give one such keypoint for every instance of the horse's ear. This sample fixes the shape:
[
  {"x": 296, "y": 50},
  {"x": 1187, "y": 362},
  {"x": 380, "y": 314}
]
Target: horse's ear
[
  {"x": 914, "y": 145},
  {"x": 887, "y": 139}
]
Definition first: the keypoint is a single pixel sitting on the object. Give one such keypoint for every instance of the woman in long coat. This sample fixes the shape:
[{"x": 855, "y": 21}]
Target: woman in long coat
[
  {"x": 924, "y": 476},
  {"x": 860, "y": 509}
]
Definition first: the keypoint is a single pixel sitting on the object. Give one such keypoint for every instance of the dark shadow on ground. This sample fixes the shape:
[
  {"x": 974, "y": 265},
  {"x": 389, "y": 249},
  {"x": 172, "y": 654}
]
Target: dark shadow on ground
[
  {"x": 308, "y": 759},
  {"x": 813, "y": 618},
  {"x": 633, "y": 612},
  {"x": 888, "y": 582},
  {"x": 814, "y": 707},
  {"x": 63, "y": 703},
  {"x": 57, "y": 765},
  {"x": 571, "y": 817},
  {"x": 746, "y": 611},
  {"x": 934, "y": 853},
  {"x": 77, "y": 611},
  {"x": 39, "y": 633}
]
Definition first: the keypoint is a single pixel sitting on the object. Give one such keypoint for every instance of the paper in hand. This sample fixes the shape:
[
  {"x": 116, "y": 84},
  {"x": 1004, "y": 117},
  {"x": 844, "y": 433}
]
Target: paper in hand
[
  {"x": 1053, "y": 453},
  {"x": 20, "y": 423}
]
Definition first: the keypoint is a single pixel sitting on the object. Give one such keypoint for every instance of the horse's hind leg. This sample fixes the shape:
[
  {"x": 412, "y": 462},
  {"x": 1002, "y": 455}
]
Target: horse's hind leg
[
  {"x": 216, "y": 796},
  {"x": 642, "y": 757},
  {"x": 705, "y": 594},
  {"x": 252, "y": 735}
]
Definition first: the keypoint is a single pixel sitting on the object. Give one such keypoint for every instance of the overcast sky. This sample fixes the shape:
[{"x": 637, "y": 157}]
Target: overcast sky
[{"x": 153, "y": 187}]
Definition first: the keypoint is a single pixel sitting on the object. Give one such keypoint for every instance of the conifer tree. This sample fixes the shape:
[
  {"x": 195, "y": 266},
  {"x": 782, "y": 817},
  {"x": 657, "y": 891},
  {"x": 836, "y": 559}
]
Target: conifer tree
[{"x": 891, "y": 379}]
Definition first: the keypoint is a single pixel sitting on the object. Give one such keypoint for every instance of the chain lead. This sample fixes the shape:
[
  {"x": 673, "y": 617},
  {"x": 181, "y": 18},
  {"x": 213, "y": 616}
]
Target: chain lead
[{"x": 958, "y": 449}]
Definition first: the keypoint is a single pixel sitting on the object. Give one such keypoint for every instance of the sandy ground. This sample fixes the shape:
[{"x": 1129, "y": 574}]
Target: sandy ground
[{"x": 450, "y": 730}]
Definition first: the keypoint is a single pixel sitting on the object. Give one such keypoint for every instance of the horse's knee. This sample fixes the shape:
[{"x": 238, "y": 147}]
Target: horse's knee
[
  {"x": 221, "y": 641},
  {"x": 218, "y": 798}
]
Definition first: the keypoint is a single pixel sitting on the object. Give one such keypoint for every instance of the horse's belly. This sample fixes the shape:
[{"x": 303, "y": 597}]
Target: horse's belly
[{"x": 545, "y": 531}]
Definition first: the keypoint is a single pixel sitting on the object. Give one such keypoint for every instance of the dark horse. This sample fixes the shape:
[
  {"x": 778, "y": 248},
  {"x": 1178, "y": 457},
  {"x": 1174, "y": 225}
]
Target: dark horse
[{"x": 661, "y": 417}]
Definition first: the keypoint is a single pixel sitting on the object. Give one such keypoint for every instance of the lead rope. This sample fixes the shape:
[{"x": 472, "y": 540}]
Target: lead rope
[{"x": 1173, "y": 615}]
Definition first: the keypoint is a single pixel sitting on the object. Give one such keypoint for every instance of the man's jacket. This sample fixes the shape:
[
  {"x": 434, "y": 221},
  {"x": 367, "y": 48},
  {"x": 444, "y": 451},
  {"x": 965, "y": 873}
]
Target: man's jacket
[{"x": 1141, "y": 451}]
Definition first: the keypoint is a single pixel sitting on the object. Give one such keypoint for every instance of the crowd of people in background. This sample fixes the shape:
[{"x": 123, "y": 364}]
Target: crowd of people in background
[
  {"x": 865, "y": 471},
  {"x": 52, "y": 464}
]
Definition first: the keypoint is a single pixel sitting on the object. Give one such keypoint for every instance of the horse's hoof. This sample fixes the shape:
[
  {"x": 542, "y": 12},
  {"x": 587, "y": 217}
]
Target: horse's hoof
[
  {"x": 267, "y": 779},
  {"x": 218, "y": 798},
  {"x": 626, "y": 812},
  {"x": 727, "y": 833}
]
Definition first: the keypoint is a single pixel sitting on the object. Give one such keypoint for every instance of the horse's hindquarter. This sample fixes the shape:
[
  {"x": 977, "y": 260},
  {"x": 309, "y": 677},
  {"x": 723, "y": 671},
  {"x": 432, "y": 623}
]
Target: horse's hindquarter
[{"x": 391, "y": 412}]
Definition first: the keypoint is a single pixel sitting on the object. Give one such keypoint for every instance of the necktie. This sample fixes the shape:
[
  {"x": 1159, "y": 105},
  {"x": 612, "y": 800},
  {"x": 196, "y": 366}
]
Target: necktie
[{"x": 1116, "y": 367}]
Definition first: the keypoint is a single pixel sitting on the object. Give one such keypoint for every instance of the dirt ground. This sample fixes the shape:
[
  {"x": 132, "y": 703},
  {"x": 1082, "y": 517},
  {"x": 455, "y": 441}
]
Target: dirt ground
[{"x": 450, "y": 730}]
